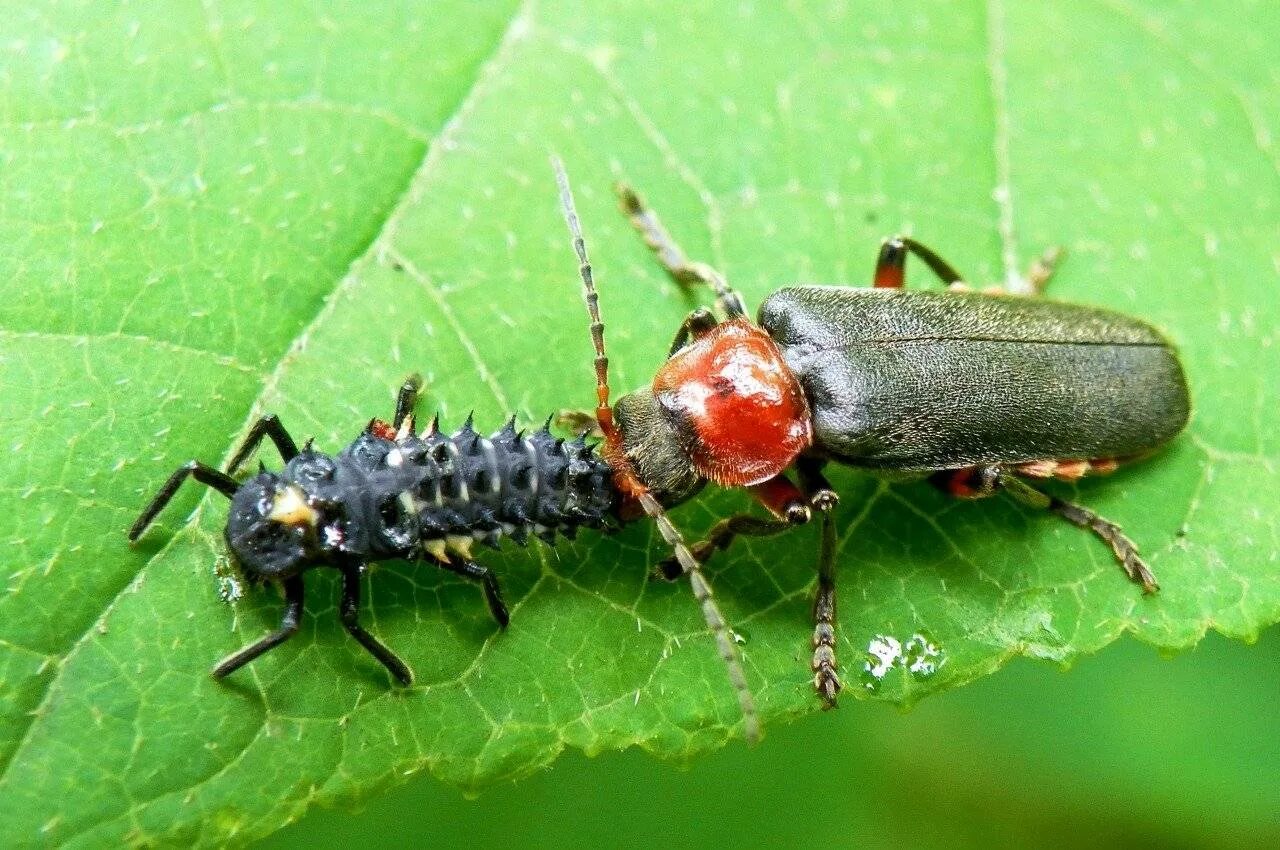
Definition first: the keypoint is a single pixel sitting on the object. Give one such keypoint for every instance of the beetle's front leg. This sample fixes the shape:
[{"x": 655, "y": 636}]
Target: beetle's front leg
[
  {"x": 672, "y": 257},
  {"x": 782, "y": 498},
  {"x": 695, "y": 325}
]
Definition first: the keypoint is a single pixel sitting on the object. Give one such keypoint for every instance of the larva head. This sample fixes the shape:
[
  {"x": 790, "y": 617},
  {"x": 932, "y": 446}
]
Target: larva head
[{"x": 284, "y": 523}]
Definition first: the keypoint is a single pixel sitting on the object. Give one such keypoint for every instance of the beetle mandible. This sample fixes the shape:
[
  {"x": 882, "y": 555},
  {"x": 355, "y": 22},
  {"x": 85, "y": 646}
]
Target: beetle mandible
[{"x": 976, "y": 391}]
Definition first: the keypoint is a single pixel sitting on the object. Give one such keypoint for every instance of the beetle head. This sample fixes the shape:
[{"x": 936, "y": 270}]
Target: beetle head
[{"x": 657, "y": 448}]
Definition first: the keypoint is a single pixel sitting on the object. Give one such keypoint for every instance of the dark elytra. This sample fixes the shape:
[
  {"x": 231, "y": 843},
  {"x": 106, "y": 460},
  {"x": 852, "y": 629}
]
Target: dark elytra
[{"x": 913, "y": 381}]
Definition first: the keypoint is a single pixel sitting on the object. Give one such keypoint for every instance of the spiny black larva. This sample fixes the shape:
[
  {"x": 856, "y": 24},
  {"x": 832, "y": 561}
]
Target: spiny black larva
[{"x": 393, "y": 493}]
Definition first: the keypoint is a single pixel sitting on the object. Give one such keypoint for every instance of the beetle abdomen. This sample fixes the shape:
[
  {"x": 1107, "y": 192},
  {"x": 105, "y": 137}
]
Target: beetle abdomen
[{"x": 918, "y": 381}]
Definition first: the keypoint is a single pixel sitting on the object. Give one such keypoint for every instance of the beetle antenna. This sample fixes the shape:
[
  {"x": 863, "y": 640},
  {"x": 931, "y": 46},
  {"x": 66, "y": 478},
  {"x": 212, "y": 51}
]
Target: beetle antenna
[
  {"x": 725, "y": 643},
  {"x": 604, "y": 412},
  {"x": 631, "y": 485}
]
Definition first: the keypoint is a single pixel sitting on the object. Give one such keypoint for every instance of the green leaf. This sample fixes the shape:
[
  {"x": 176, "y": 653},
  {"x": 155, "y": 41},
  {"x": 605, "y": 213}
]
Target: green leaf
[{"x": 227, "y": 208}]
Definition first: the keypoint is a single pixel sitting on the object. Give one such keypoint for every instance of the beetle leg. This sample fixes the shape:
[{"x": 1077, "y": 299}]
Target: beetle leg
[
  {"x": 288, "y": 628},
  {"x": 673, "y": 259},
  {"x": 1035, "y": 280},
  {"x": 1126, "y": 551},
  {"x": 1042, "y": 269},
  {"x": 977, "y": 482},
  {"x": 891, "y": 263},
  {"x": 826, "y": 681},
  {"x": 350, "y": 614},
  {"x": 579, "y": 422},
  {"x": 782, "y": 498},
  {"x": 267, "y": 427},
  {"x": 696, "y": 324},
  {"x": 823, "y": 498},
  {"x": 721, "y": 536},
  {"x": 406, "y": 399}
]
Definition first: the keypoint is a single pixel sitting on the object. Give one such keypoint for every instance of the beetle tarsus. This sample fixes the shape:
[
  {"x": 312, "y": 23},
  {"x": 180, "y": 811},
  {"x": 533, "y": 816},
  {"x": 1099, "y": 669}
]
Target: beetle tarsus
[
  {"x": 826, "y": 680},
  {"x": 1126, "y": 551},
  {"x": 1042, "y": 269},
  {"x": 672, "y": 257}
]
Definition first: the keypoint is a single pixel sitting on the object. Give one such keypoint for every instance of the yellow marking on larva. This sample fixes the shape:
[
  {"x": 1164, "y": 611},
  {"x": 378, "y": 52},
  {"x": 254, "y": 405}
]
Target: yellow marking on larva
[
  {"x": 289, "y": 507},
  {"x": 436, "y": 548},
  {"x": 464, "y": 493},
  {"x": 459, "y": 544}
]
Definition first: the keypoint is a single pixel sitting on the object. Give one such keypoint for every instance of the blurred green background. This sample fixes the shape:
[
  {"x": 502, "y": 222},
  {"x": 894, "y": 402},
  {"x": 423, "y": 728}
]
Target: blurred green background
[
  {"x": 211, "y": 210},
  {"x": 1128, "y": 749}
]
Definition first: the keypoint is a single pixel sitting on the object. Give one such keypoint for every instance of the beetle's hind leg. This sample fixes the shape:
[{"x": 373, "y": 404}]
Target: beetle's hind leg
[
  {"x": 1126, "y": 551},
  {"x": 672, "y": 257},
  {"x": 1042, "y": 269},
  {"x": 980, "y": 481}
]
